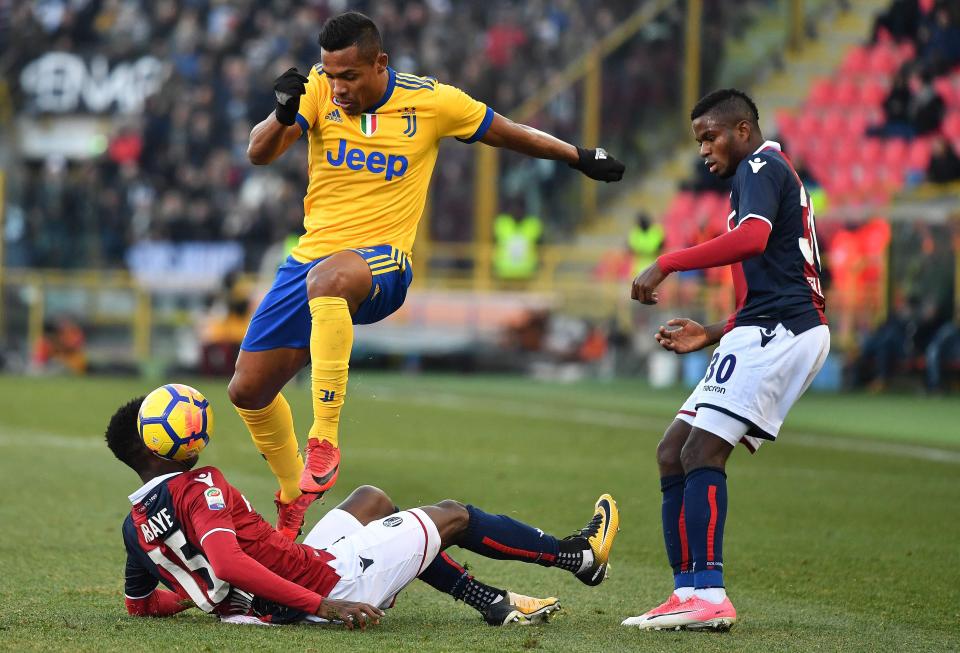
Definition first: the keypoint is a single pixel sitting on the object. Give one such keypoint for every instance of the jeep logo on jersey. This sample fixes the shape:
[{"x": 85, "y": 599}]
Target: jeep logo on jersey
[
  {"x": 395, "y": 520},
  {"x": 378, "y": 163}
]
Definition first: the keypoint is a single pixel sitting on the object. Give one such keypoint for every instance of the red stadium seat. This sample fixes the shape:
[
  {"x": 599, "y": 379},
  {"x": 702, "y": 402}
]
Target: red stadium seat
[
  {"x": 808, "y": 126},
  {"x": 951, "y": 125},
  {"x": 839, "y": 184},
  {"x": 944, "y": 86},
  {"x": 846, "y": 94},
  {"x": 856, "y": 62},
  {"x": 895, "y": 153},
  {"x": 786, "y": 122},
  {"x": 821, "y": 94},
  {"x": 871, "y": 149},
  {"x": 834, "y": 124},
  {"x": 919, "y": 156},
  {"x": 857, "y": 122},
  {"x": 872, "y": 92},
  {"x": 884, "y": 60}
]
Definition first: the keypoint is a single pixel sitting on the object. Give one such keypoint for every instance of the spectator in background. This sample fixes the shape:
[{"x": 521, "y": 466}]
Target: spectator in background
[
  {"x": 896, "y": 109},
  {"x": 944, "y": 164},
  {"x": 901, "y": 21},
  {"x": 646, "y": 241},
  {"x": 926, "y": 107},
  {"x": 61, "y": 348},
  {"x": 940, "y": 38}
]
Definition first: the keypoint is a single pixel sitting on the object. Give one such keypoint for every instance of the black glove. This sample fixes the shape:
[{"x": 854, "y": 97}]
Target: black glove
[
  {"x": 599, "y": 165},
  {"x": 288, "y": 88}
]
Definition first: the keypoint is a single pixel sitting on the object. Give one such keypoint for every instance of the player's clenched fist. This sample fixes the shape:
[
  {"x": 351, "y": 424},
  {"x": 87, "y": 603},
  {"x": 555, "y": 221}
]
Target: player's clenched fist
[
  {"x": 599, "y": 165},
  {"x": 288, "y": 88},
  {"x": 644, "y": 286}
]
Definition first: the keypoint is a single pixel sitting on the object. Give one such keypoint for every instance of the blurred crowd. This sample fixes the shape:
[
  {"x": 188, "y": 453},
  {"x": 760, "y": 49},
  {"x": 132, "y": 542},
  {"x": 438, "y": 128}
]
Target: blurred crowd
[{"x": 178, "y": 171}]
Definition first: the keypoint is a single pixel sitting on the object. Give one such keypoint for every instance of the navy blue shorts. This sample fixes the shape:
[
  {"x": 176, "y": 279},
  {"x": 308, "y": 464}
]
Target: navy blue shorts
[{"x": 283, "y": 317}]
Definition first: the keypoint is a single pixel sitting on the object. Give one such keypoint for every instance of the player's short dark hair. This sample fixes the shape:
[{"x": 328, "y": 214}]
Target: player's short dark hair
[
  {"x": 730, "y": 104},
  {"x": 351, "y": 28},
  {"x": 123, "y": 436}
]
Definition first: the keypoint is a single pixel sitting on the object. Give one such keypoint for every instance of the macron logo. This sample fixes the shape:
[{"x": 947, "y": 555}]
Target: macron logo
[
  {"x": 756, "y": 164},
  {"x": 334, "y": 116}
]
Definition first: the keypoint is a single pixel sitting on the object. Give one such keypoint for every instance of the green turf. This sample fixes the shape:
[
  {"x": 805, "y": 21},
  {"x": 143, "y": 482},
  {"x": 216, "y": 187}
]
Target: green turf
[{"x": 843, "y": 536}]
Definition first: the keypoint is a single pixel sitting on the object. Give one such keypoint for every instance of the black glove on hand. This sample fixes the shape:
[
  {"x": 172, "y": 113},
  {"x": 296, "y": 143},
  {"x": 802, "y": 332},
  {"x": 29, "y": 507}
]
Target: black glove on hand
[
  {"x": 288, "y": 88},
  {"x": 599, "y": 165}
]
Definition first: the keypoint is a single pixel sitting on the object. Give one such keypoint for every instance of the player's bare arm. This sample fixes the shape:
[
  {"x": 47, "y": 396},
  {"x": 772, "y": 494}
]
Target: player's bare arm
[
  {"x": 272, "y": 136},
  {"x": 269, "y": 139},
  {"x": 682, "y": 335},
  {"x": 595, "y": 163}
]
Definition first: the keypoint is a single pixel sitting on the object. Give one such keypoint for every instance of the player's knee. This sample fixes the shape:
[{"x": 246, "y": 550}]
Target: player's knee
[
  {"x": 377, "y": 501},
  {"x": 456, "y": 513},
  {"x": 668, "y": 453},
  {"x": 246, "y": 395},
  {"x": 692, "y": 457},
  {"x": 329, "y": 281}
]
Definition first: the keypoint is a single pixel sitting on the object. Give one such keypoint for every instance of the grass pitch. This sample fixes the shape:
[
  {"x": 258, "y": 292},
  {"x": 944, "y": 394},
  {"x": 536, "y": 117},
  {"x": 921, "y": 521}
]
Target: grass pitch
[{"x": 842, "y": 536}]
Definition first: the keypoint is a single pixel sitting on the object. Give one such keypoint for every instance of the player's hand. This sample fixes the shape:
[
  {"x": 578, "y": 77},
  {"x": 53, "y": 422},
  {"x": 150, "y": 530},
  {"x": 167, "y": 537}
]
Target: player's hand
[
  {"x": 599, "y": 165},
  {"x": 352, "y": 614},
  {"x": 644, "y": 286},
  {"x": 287, "y": 89},
  {"x": 683, "y": 337}
]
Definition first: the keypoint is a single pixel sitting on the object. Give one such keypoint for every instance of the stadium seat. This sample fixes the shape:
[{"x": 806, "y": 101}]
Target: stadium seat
[
  {"x": 871, "y": 149},
  {"x": 872, "y": 92},
  {"x": 786, "y": 122},
  {"x": 951, "y": 125},
  {"x": 833, "y": 124},
  {"x": 846, "y": 94},
  {"x": 821, "y": 94},
  {"x": 919, "y": 156},
  {"x": 856, "y": 62},
  {"x": 895, "y": 153},
  {"x": 808, "y": 126},
  {"x": 857, "y": 123},
  {"x": 884, "y": 60}
]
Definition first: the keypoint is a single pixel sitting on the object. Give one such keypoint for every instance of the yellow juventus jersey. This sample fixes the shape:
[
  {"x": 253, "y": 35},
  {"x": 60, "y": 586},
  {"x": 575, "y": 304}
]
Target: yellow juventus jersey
[{"x": 369, "y": 173}]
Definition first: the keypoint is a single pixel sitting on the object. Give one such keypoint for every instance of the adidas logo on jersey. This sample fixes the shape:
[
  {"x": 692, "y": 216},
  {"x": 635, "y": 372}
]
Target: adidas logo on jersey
[{"x": 334, "y": 116}]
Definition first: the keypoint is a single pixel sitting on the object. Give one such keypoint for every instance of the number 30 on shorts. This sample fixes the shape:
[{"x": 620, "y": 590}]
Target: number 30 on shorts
[{"x": 724, "y": 370}]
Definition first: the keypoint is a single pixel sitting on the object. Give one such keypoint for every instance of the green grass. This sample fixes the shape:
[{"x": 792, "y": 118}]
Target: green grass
[{"x": 842, "y": 536}]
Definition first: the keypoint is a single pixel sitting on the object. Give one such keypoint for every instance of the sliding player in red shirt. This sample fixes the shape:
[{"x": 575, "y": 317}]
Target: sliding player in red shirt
[
  {"x": 769, "y": 350},
  {"x": 198, "y": 535}
]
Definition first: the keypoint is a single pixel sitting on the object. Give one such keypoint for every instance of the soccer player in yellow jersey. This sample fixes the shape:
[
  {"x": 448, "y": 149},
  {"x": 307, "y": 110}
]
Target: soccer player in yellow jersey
[{"x": 373, "y": 136}]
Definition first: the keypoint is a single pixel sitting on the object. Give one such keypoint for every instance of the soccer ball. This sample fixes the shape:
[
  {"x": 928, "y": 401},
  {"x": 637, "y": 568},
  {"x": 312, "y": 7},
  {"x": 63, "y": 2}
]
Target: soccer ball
[{"x": 175, "y": 422}]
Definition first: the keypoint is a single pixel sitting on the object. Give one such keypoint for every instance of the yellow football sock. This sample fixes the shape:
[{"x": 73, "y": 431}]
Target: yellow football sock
[
  {"x": 331, "y": 339},
  {"x": 272, "y": 431}
]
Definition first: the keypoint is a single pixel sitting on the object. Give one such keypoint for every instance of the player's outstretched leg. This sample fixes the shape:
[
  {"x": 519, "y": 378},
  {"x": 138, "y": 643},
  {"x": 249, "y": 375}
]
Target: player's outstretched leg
[
  {"x": 255, "y": 393},
  {"x": 585, "y": 553},
  {"x": 336, "y": 287},
  {"x": 498, "y": 607}
]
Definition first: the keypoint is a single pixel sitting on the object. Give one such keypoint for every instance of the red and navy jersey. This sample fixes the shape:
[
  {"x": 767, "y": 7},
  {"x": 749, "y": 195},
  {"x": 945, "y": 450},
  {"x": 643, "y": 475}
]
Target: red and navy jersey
[
  {"x": 173, "y": 514},
  {"x": 781, "y": 285}
]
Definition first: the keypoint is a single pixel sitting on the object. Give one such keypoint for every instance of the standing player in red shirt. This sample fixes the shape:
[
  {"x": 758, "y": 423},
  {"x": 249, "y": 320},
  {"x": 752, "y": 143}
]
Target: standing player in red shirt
[
  {"x": 198, "y": 535},
  {"x": 769, "y": 350}
]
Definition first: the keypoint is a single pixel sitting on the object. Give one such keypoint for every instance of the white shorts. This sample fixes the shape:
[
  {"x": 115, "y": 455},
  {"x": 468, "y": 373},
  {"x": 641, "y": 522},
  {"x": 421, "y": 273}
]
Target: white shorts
[
  {"x": 378, "y": 560},
  {"x": 753, "y": 379}
]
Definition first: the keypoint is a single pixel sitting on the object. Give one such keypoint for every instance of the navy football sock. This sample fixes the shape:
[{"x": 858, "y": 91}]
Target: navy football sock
[
  {"x": 503, "y": 538},
  {"x": 674, "y": 530},
  {"x": 445, "y": 575},
  {"x": 705, "y": 511}
]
